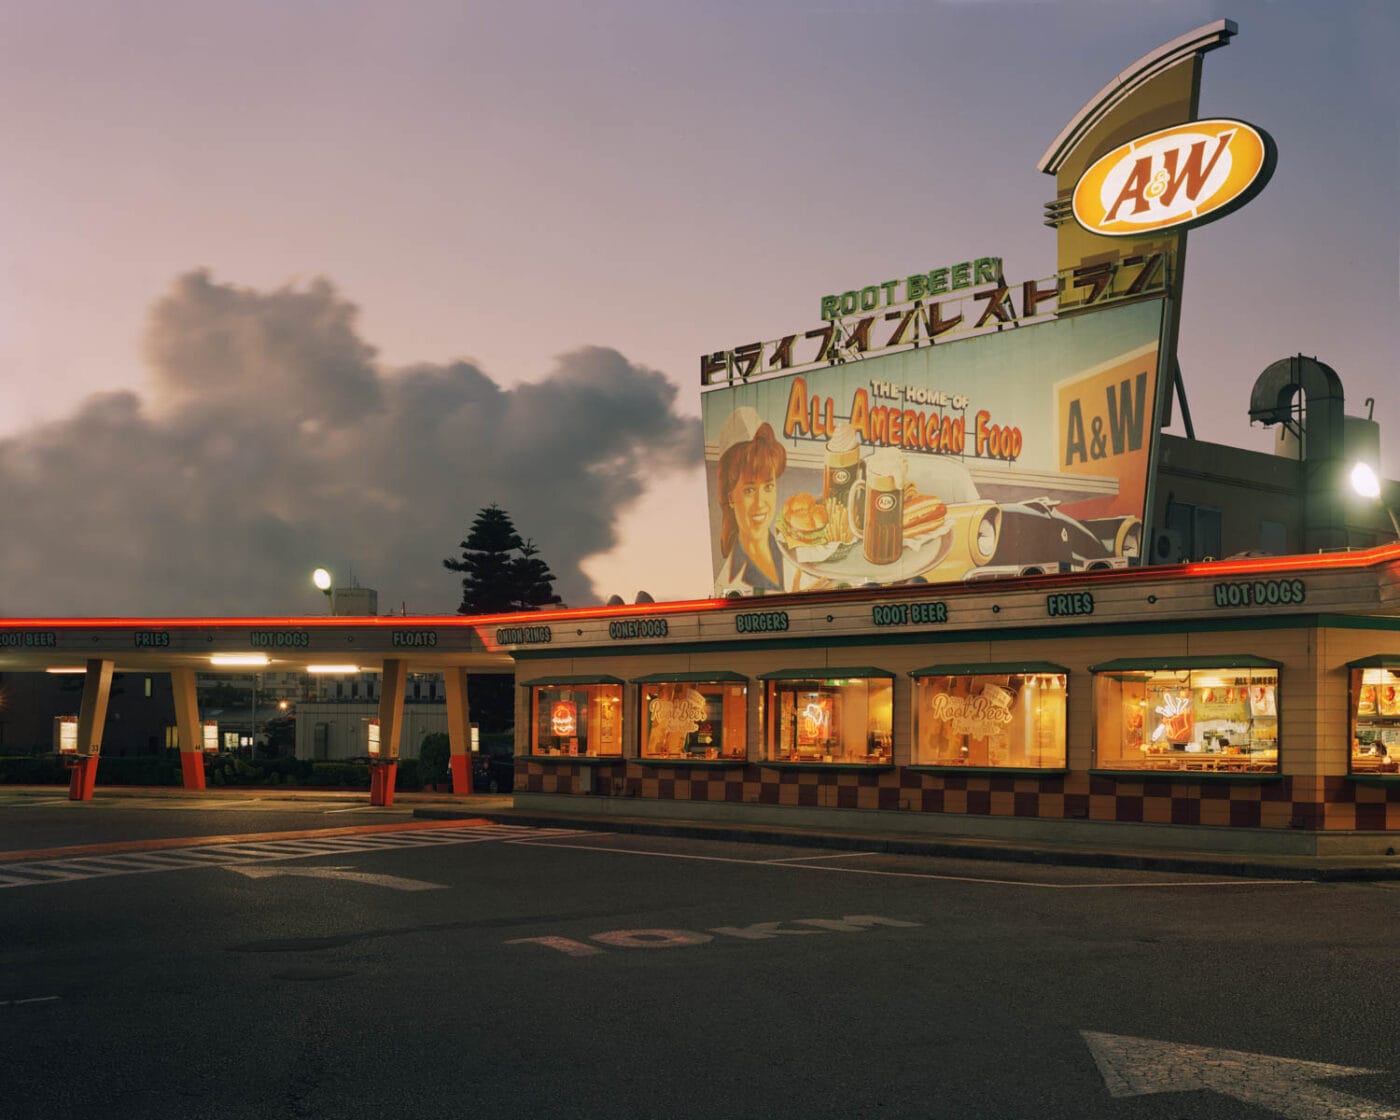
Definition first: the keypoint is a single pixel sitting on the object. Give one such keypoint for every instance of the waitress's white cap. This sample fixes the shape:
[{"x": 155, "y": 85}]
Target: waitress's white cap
[{"x": 742, "y": 426}]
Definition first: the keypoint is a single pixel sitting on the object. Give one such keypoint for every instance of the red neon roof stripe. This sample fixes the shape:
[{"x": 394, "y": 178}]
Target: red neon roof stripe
[{"x": 1382, "y": 556}]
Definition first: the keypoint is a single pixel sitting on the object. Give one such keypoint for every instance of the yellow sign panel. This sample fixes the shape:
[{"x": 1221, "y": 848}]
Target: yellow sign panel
[{"x": 1181, "y": 176}]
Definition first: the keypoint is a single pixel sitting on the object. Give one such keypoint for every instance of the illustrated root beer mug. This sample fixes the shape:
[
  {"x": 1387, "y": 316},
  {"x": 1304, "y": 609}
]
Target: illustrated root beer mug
[
  {"x": 876, "y": 507},
  {"x": 842, "y": 468}
]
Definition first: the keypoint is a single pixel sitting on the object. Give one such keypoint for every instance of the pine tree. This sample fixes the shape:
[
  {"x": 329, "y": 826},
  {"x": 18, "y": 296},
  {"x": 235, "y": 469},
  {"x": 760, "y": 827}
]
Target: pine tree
[
  {"x": 533, "y": 580},
  {"x": 501, "y": 572}
]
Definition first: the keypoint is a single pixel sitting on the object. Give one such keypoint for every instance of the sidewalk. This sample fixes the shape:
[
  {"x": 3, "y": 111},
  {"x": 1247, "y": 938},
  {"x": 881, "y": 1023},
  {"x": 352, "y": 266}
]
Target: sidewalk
[{"x": 499, "y": 807}]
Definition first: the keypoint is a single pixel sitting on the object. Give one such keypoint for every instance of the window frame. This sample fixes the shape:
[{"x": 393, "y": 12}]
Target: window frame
[
  {"x": 1193, "y": 758},
  {"x": 576, "y": 685},
  {"x": 1385, "y": 766},
  {"x": 724, "y": 754},
  {"x": 1025, "y": 669},
  {"x": 879, "y": 743}
]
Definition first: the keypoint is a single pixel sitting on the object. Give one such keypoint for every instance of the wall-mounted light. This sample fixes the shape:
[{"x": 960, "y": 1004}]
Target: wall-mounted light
[
  {"x": 324, "y": 580},
  {"x": 1367, "y": 483},
  {"x": 238, "y": 659},
  {"x": 333, "y": 669}
]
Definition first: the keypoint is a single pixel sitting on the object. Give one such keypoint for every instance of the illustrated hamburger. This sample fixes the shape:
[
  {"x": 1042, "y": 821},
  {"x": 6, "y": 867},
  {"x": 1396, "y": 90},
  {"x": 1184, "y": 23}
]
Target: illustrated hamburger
[{"x": 803, "y": 521}]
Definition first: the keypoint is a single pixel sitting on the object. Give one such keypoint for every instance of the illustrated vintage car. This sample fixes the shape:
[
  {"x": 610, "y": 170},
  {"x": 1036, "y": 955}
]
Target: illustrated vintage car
[{"x": 991, "y": 540}]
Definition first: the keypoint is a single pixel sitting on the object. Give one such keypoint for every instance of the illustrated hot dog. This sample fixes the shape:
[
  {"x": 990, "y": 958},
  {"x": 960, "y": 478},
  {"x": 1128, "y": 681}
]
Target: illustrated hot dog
[{"x": 923, "y": 513}]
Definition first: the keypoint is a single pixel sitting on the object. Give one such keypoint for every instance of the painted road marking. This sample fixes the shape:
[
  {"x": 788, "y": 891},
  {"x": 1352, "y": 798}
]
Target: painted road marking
[
  {"x": 31, "y": 999},
  {"x": 204, "y": 854},
  {"x": 182, "y": 842},
  {"x": 683, "y": 938},
  {"x": 393, "y": 882},
  {"x": 1285, "y": 1086},
  {"x": 788, "y": 864},
  {"x": 805, "y": 859}
]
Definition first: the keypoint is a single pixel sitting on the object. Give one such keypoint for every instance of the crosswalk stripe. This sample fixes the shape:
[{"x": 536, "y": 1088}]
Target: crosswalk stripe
[{"x": 182, "y": 859}]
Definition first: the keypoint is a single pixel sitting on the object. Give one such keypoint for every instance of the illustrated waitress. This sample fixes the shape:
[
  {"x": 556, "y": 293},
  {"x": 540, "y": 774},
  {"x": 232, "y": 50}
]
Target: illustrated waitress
[{"x": 750, "y": 461}]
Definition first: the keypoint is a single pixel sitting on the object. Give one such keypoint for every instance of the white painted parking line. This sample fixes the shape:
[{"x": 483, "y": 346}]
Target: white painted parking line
[
  {"x": 790, "y": 866},
  {"x": 31, "y": 999},
  {"x": 805, "y": 859}
]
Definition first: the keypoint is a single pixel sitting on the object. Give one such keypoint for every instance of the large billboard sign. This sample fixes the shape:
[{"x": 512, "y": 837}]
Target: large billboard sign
[
  {"x": 1026, "y": 449},
  {"x": 1182, "y": 176}
]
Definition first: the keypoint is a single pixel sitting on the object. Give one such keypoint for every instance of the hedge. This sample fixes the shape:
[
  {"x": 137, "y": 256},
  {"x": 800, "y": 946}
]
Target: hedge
[{"x": 220, "y": 770}]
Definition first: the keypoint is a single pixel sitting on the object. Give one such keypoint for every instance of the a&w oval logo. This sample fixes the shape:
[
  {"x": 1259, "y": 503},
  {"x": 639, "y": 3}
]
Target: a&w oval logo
[{"x": 1184, "y": 176}]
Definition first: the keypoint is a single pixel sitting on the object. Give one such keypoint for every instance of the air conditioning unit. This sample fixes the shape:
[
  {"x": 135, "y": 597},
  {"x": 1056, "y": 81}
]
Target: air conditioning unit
[{"x": 1166, "y": 547}]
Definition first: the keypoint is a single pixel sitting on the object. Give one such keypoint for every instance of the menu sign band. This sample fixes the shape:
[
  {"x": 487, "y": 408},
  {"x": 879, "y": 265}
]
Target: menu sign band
[
  {"x": 624, "y": 628},
  {"x": 280, "y": 639},
  {"x": 415, "y": 638},
  {"x": 760, "y": 622},
  {"x": 523, "y": 635},
  {"x": 29, "y": 639},
  {"x": 908, "y": 614},
  {"x": 1260, "y": 593}
]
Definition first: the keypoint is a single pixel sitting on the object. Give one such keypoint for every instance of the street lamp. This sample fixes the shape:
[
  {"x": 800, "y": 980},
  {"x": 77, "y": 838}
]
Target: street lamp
[
  {"x": 253, "y": 718},
  {"x": 1367, "y": 483},
  {"x": 324, "y": 580}
]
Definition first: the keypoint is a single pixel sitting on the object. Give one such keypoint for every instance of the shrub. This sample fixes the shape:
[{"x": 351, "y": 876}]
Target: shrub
[
  {"x": 433, "y": 758},
  {"x": 407, "y": 777},
  {"x": 33, "y": 770}
]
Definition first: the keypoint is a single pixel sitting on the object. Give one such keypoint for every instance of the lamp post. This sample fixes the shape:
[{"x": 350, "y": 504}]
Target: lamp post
[
  {"x": 324, "y": 580},
  {"x": 253, "y": 717},
  {"x": 1367, "y": 483}
]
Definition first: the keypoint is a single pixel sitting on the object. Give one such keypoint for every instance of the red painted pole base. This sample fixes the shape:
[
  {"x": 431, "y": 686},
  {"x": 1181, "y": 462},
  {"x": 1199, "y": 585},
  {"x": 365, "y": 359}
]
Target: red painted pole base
[
  {"x": 192, "y": 769},
  {"x": 461, "y": 773},
  {"x": 382, "y": 776},
  {"x": 82, "y": 780}
]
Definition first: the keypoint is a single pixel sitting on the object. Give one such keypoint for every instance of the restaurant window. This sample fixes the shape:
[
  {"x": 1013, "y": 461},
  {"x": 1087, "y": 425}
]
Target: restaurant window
[
  {"x": 1190, "y": 714},
  {"x": 694, "y": 716},
  {"x": 1009, "y": 716},
  {"x": 576, "y": 716},
  {"x": 829, "y": 716},
  {"x": 1375, "y": 716}
]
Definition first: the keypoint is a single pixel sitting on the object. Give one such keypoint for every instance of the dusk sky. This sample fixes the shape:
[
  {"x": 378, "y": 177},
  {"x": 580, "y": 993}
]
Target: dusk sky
[{"x": 297, "y": 283}]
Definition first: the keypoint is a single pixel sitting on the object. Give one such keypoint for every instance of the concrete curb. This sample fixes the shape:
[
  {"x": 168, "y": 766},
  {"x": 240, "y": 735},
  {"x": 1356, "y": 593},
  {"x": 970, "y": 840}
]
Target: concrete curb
[{"x": 1313, "y": 868}]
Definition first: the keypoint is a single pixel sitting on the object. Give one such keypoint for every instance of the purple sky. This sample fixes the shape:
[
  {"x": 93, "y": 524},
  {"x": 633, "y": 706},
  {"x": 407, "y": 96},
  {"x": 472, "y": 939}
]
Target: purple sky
[{"x": 508, "y": 184}]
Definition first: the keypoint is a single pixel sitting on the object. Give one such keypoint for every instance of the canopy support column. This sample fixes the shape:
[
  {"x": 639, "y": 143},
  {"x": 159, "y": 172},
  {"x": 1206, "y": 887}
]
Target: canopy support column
[
  {"x": 92, "y": 717},
  {"x": 383, "y": 772},
  {"x": 459, "y": 729},
  {"x": 182, "y": 684}
]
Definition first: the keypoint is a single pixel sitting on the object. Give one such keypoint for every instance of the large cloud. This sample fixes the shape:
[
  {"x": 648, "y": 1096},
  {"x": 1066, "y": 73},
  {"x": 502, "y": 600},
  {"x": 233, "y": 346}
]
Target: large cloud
[{"x": 271, "y": 442}]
